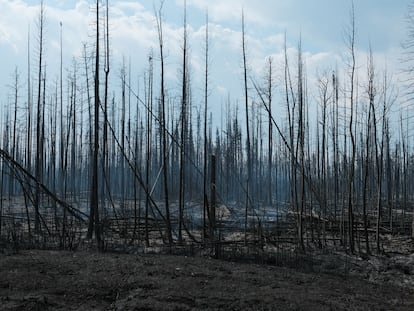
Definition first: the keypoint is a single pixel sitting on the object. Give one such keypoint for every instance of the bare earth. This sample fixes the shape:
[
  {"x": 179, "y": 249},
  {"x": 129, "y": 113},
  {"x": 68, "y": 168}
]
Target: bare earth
[{"x": 50, "y": 280}]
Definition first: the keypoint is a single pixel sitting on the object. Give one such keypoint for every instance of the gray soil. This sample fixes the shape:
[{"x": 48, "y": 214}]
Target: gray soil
[{"x": 53, "y": 280}]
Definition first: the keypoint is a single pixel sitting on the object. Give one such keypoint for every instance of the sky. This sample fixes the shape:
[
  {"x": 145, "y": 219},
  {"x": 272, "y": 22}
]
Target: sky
[{"x": 320, "y": 24}]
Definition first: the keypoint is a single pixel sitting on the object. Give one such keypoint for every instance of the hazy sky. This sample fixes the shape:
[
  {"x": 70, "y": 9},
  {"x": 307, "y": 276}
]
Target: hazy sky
[{"x": 320, "y": 23}]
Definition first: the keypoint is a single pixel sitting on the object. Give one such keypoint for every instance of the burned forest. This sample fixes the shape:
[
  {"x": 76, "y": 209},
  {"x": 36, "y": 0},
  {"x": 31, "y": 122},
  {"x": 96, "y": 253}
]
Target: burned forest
[{"x": 100, "y": 155}]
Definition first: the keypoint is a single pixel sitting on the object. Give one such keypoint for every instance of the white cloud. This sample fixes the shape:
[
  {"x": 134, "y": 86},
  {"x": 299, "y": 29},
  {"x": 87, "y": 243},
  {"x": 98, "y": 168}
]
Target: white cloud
[
  {"x": 133, "y": 34},
  {"x": 14, "y": 23},
  {"x": 5, "y": 37},
  {"x": 257, "y": 12},
  {"x": 133, "y": 6}
]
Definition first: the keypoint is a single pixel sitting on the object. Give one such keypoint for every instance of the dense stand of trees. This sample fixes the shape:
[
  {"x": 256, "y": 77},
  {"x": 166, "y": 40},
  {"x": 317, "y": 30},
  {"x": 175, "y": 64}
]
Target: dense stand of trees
[{"x": 152, "y": 167}]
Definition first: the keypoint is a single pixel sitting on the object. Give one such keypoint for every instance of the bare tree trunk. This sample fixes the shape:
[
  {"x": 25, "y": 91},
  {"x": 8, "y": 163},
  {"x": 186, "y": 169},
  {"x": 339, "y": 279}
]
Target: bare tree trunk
[
  {"x": 39, "y": 151},
  {"x": 249, "y": 160},
  {"x": 270, "y": 134},
  {"x": 16, "y": 97},
  {"x": 181, "y": 201},
  {"x": 378, "y": 157},
  {"x": 42, "y": 132},
  {"x": 205, "y": 200},
  {"x": 301, "y": 141},
  {"x": 62, "y": 135},
  {"x": 366, "y": 174},
  {"x": 149, "y": 135},
  {"x": 212, "y": 216},
  {"x": 1, "y": 199},
  {"x": 335, "y": 130},
  {"x": 29, "y": 128},
  {"x": 291, "y": 110},
  {"x": 404, "y": 182},
  {"x": 94, "y": 225},
  {"x": 123, "y": 120},
  {"x": 137, "y": 194},
  {"x": 164, "y": 126},
  {"x": 105, "y": 152},
  {"x": 74, "y": 140},
  {"x": 323, "y": 90},
  {"x": 351, "y": 46}
]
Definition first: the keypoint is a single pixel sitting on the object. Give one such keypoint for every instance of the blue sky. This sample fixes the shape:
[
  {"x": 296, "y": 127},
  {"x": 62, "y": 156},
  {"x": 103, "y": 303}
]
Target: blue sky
[{"x": 320, "y": 23}]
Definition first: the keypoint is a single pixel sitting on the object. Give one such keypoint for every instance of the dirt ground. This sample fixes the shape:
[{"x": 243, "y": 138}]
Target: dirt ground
[{"x": 53, "y": 280}]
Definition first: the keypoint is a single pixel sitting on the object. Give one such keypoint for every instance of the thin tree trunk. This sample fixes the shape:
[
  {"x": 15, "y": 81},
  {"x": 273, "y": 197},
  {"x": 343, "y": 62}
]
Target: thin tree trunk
[
  {"x": 14, "y": 146},
  {"x": 74, "y": 140},
  {"x": 301, "y": 141},
  {"x": 378, "y": 158},
  {"x": 351, "y": 47},
  {"x": 270, "y": 134},
  {"x": 149, "y": 135},
  {"x": 94, "y": 225},
  {"x": 249, "y": 160},
  {"x": 62, "y": 135},
  {"x": 205, "y": 200},
  {"x": 213, "y": 199},
  {"x": 365, "y": 181},
  {"x": 164, "y": 127},
  {"x": 323, "y": 89},
  {"x": 29, "y": 127},
  {"x": 39, "y": 151},
  {"x": 335, "y": 135},
  {"x": 181, "y": 201},
  {"x": 105, "y": 153}
]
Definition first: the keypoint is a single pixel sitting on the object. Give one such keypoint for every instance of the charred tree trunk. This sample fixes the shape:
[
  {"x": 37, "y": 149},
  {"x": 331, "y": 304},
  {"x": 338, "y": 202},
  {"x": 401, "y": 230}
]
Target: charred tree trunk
[
  {"x": 249, "y": 160},
  {"x": 164, "y": 128},
  {"x": 94, "y": 225},
  {"x": 39, "y": 151},
  {"x": 205, "y": 200},
  {"x": 352, "y": 65},
  {"x": 184, "y": 99}
]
